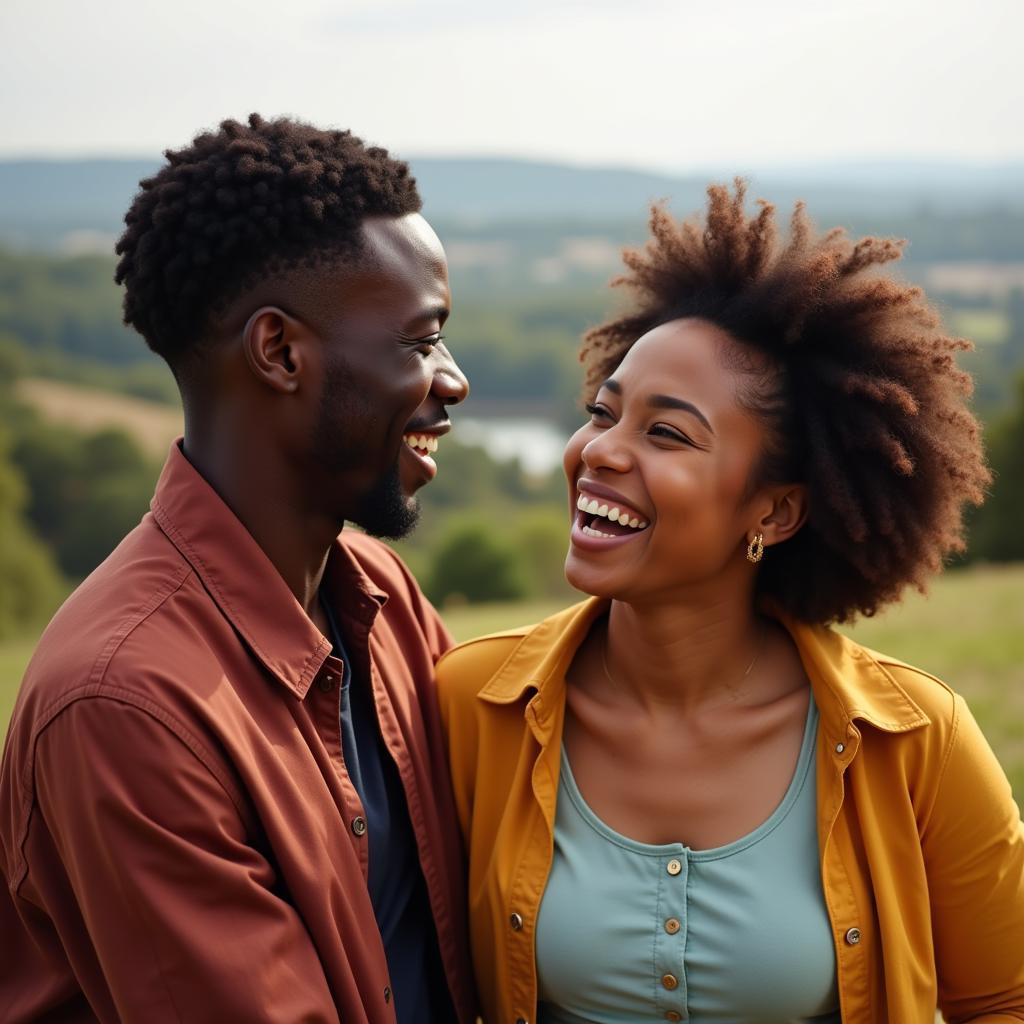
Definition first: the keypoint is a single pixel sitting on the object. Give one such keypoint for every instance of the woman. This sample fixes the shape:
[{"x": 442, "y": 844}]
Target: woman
[{"x": 688, "y": 798}]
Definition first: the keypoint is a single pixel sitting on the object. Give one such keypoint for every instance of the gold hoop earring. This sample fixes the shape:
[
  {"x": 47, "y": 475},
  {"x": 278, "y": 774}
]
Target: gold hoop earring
[{"x": 755, "y": 549}]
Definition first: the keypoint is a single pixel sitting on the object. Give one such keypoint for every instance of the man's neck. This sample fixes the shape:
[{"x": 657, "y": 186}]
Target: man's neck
[{"x": 267, "y": 498}]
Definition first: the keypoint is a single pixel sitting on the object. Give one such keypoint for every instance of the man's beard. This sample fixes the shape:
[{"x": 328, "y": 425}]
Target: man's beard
[{"x": 384, "y": 510}]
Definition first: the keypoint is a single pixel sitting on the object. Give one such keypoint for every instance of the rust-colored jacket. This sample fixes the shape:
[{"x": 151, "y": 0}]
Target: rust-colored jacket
[
  {"x": 922, "y": 848},
  {"x": 176, "y": 835}
]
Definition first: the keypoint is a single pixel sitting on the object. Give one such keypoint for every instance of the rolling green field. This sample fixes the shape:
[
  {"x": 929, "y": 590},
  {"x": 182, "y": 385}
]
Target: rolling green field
[{"x": 969, "y": 631}]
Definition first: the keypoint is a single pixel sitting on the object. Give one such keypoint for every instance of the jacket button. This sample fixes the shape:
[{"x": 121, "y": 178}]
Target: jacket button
[
  {"x": 325, "y": 683},
  {"x": 852, "y": 937},
  {"x": 516, "y": 921},
  {"x": 359, "y": 826},
  {"x": 670, "y": 981},
  {"x": 522, "y": 1020},
  {"x": 840, "y": 747},
  {"x": 387, "y": 993},
  {"x": 673, "y": 1015},
  {"x": 672, "y": 925},
  {"x": 673, "y": 867}
]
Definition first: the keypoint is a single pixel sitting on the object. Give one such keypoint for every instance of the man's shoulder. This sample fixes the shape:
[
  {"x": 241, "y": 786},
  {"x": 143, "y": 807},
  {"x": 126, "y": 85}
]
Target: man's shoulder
[{"x": 121, "y": 608}]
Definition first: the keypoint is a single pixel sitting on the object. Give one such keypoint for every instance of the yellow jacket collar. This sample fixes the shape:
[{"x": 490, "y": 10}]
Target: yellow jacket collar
[{"x": 849, "y": 683}]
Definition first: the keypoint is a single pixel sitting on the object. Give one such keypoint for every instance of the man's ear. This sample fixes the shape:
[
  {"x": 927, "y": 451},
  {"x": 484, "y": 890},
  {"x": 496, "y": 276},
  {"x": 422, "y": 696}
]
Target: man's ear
[
  {"x": 274, "y": 344},
  {"x": 788, "y": 513}
]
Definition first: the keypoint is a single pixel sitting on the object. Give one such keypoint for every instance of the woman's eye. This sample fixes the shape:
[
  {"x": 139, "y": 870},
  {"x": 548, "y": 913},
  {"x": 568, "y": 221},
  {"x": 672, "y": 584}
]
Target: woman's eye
[
  {"x": 671, "y": 433},
  {"x": 597, "y": 412}
]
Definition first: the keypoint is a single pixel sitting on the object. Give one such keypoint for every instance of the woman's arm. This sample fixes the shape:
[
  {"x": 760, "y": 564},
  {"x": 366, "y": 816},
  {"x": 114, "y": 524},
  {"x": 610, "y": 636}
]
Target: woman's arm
[{"x": 973, "y": 844}]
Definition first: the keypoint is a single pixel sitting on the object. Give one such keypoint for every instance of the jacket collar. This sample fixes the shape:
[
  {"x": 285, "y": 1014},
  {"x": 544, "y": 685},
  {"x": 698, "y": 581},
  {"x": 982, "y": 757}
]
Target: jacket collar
[
  {"x": 848, "y": 682},
  {"x": 244, "y": 583}
]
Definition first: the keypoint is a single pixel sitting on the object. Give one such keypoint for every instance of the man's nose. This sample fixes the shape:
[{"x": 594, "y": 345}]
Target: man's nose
[{"x": 450, "y": 384}]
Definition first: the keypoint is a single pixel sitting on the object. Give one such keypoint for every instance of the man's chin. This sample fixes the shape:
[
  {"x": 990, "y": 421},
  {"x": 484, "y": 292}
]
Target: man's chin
[{"x": 389, "y": 521}]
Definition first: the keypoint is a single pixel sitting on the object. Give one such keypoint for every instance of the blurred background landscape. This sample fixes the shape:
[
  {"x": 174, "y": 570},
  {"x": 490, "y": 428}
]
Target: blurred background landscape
[
  {"x": 87, "y": 413},
  {"x": 539, "y": 132}
]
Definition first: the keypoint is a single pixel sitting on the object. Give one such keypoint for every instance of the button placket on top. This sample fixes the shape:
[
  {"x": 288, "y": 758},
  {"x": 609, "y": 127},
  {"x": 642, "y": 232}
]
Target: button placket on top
[
  {"x": 325, "y": 694},
  {"x": 840, "y": 898},
  {"x": 670, "y": 931}
]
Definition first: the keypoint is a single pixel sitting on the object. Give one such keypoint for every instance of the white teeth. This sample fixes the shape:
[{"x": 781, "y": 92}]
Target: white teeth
[
  {"x": 596, "y": 533},
  {"x": 591, "y": 506},
  {"x": 423, "y": 442}
]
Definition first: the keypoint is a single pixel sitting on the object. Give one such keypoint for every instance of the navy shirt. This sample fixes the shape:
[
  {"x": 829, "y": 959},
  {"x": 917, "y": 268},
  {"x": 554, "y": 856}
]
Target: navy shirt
[{"x": 397, "y": 890}]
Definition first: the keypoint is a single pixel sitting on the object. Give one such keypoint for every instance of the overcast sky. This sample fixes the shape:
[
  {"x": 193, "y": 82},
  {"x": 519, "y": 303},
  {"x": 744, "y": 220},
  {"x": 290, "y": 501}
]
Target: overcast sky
[{"x": 663, "y": 84}]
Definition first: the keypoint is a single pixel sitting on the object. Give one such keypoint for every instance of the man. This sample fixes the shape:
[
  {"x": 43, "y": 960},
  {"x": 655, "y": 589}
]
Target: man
[{"x": 223, "y": 794}]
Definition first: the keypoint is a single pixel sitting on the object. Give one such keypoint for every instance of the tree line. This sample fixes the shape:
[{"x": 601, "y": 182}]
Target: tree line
[{"x": 490, "y": 530}]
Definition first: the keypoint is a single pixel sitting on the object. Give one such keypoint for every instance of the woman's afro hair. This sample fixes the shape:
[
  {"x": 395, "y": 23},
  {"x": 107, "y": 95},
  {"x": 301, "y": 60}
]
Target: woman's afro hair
[
  {"x": 240, "y": 203},
  {"x": 862, "y": 398}
]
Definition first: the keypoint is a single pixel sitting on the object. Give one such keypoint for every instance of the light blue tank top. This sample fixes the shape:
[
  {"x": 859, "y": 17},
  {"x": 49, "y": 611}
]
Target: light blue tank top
[{"x": 631, "y": 932}]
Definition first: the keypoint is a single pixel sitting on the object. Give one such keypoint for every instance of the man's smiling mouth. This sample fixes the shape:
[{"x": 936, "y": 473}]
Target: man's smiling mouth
[{"x": 422, "y": 444}]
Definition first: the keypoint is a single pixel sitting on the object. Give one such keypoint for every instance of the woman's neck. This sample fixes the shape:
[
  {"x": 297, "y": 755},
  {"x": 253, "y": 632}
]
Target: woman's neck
[{"x": 684, "y": 658}]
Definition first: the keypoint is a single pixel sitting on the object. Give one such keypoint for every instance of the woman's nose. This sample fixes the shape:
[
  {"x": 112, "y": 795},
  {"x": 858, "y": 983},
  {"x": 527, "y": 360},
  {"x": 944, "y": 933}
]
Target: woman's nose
[{"x": 608, "y": 450}]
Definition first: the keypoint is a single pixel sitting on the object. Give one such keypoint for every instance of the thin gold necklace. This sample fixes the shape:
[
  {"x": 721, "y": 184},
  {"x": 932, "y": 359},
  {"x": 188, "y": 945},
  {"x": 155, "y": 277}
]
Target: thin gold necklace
[{"x": 746, "y": 672}]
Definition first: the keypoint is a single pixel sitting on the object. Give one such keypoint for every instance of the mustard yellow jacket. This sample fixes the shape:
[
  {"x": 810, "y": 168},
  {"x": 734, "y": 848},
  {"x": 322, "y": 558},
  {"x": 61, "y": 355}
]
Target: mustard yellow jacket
[{"x": 922, "y": 847}]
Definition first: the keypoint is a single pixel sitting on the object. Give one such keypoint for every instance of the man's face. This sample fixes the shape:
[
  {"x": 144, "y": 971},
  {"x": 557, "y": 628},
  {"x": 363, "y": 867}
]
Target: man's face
[{"x": 387, "y": 378}]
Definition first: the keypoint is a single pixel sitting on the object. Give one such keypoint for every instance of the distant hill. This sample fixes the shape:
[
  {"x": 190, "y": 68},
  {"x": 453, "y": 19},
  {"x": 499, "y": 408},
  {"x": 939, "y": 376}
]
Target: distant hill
[{"x": 77, "y": 205}]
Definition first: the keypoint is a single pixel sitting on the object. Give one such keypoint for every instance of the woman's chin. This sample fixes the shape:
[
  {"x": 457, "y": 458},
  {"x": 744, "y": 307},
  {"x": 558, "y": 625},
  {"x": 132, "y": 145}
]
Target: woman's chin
[{"x": 585, "y": 577}]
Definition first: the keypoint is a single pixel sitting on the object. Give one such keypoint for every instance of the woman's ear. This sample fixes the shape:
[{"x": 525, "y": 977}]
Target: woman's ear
[
  {"x": 274, "y": 351},
  {"x": 788, "y": 513}
]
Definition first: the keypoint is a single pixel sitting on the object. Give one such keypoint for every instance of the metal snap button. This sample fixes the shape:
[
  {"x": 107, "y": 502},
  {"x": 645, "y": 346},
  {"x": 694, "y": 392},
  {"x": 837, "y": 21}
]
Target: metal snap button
[
  {"x": 840, "y": 747},
  {"x": 852, "y": 936},
  {"x": 670, "y": 981},
  {"x": 672, "y": 925},
  {"x": 387, "y": 993},
  {"x": 673, "y": 1015},
  {"x": 325, "y": 683},
  {"x": 673, "y": 867},
  {"x": 359, "y": 826},
  {"x": 516, "y": 921}
]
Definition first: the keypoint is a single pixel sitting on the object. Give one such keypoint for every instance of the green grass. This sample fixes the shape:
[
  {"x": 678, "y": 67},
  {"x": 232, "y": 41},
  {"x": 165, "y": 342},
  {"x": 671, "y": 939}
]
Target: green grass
[{"x": 969, "y": 631}]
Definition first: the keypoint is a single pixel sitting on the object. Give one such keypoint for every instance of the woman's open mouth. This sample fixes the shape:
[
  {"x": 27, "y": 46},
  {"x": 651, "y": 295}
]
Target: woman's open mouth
[{"x": 599, "y": 523}]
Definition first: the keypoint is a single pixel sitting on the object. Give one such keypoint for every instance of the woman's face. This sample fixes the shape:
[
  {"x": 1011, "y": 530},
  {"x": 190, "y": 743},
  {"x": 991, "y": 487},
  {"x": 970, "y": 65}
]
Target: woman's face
[{"x": 669, "y": 447}]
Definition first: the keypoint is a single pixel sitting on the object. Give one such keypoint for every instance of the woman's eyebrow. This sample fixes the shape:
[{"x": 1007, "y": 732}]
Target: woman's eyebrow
[
  {"x": 662, "y": 402},
  {"x": 668, "y": 402}
]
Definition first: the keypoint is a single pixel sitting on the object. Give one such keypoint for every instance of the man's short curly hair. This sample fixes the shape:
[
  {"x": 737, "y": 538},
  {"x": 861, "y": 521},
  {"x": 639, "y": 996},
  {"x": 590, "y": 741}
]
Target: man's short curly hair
[
  {"x": 862, "y": 399},
  {"x": 240, "y": 203}
]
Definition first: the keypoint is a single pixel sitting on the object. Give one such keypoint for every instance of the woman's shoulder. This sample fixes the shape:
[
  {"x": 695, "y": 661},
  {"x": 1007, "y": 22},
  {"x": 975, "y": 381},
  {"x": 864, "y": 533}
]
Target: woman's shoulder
[
  {"x": 940, "y": 707},
  {"x": 856, "y": 682},
  {"x": 468, "y": 667},
  {"x": 924, "y": 687}
]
